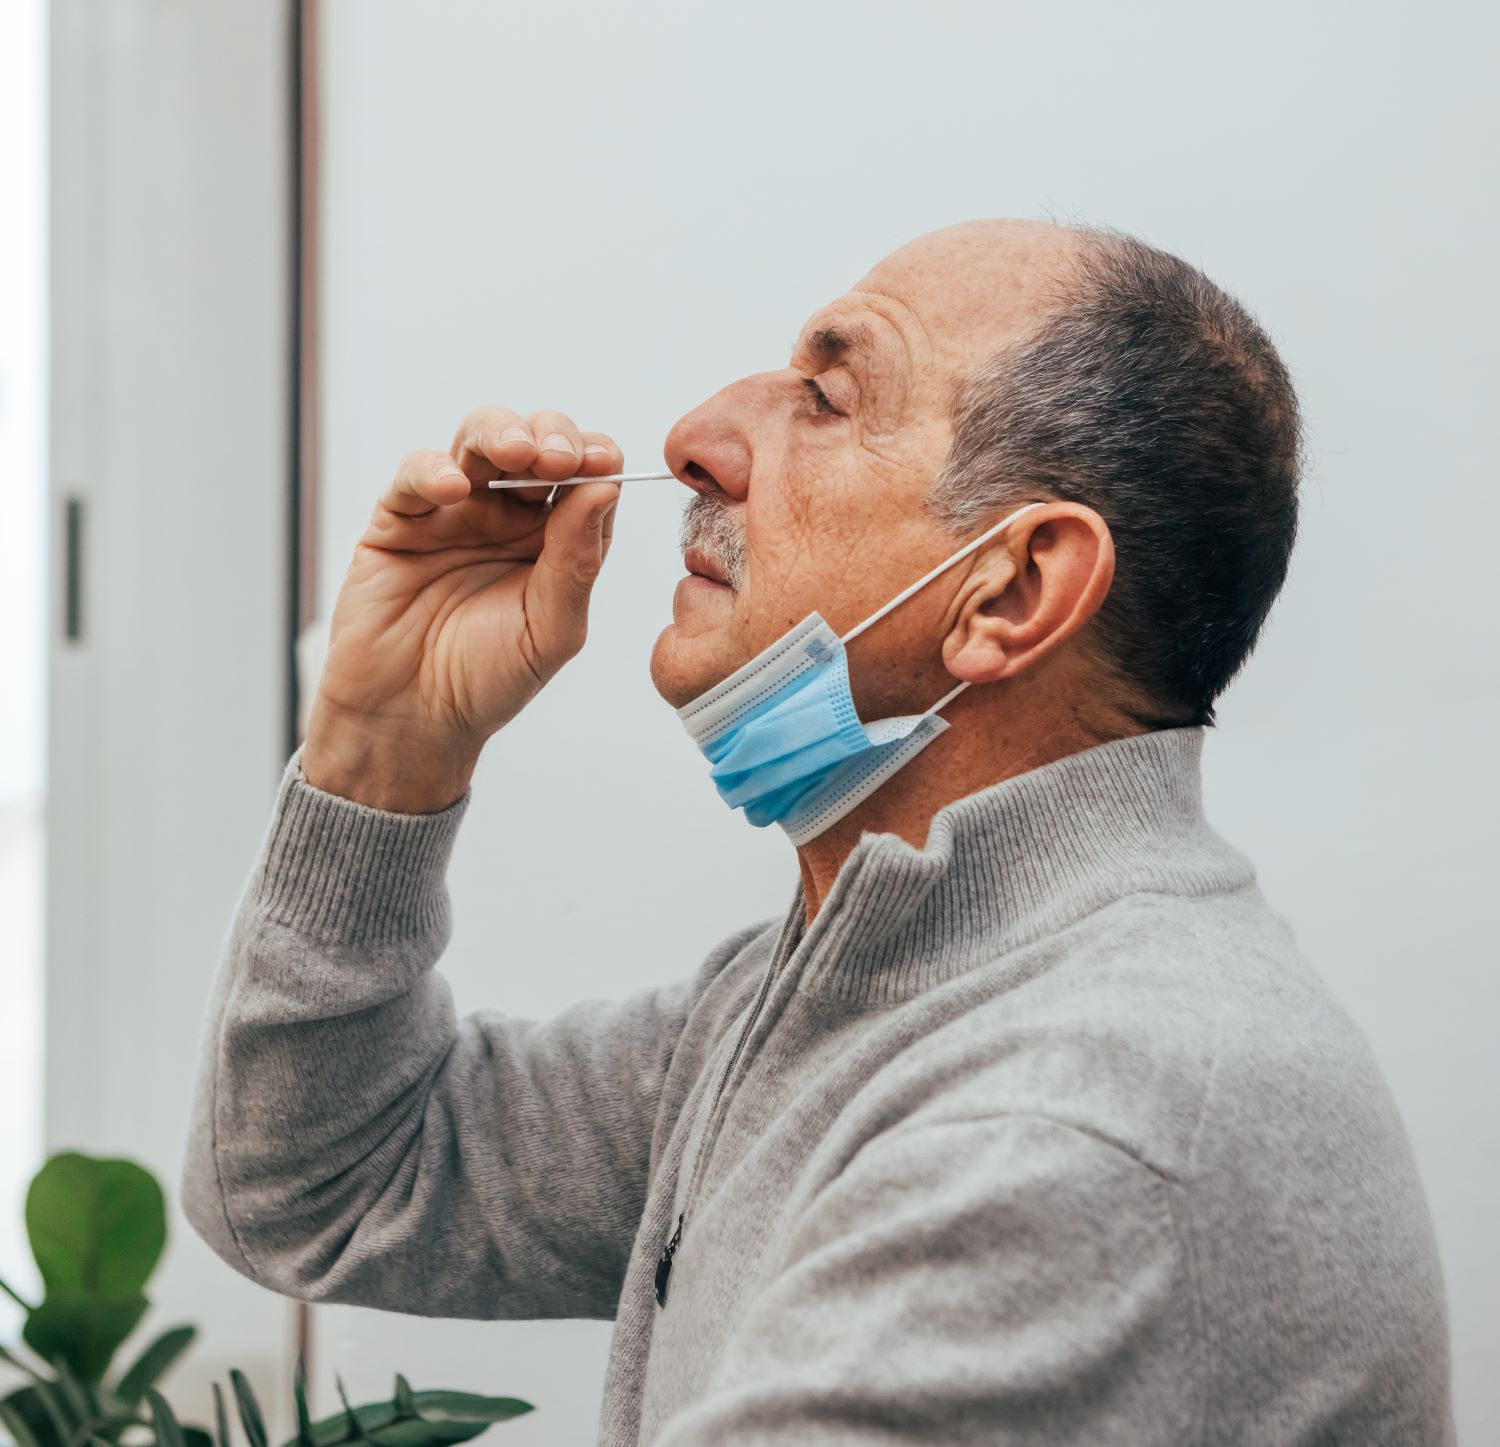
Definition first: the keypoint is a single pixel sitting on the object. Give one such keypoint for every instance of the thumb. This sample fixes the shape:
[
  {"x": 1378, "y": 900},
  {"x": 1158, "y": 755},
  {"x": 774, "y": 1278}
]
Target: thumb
[{"x": 562, "y": 578}]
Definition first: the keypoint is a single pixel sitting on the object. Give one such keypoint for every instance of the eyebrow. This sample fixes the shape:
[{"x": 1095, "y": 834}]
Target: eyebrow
[{"x": 834, "y": 343}]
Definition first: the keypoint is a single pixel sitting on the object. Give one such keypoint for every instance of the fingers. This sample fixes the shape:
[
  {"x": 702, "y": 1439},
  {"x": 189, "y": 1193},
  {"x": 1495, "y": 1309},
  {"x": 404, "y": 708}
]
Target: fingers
[
  {"x": 556, "y": 452},
  {"x": 576, "y": 539},
  {"x": 607, "y": 531},
  {"x": 492, "y": 440},
  {"x": 601, "y": 455},
  {"x": 495, "y": 442},
  {"x": 559, "y": 445},
  {"x": 426, "y": 479}
]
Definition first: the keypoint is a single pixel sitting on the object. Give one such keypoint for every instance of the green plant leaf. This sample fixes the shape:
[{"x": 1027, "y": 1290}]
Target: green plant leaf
[
  {"x": 250, "y": 1417},
  {"x": 221, "y": 1417},
  {"x": 96, "y": 1226},
  {"x": 80, "y": 1331},
  {"x": 54, "y": 1408},
  {"x": 355, "y": 1431},
  {"x": 110, "y": 1426},
  {"x": 164, "y": 1421},
  {"x": 26, "y": 1403},
  {"x": 21, "y": 1365},
  {"x": 299, "y": 1396},
  {"x": 147, "y": 1368},
  {"x": 14, "y": 1295},
  {"x": 104, "y": 1416},
  {"x": 17, "y": 1425},
  {"x": 197, "y": 1437},
  {"x": 455, "y": 1417},
  {"x": 431, "y": 1419},
  {"x": 81, "y": 1403}
]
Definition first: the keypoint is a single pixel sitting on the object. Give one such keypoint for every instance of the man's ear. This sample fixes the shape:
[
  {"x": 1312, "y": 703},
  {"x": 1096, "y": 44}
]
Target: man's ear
[{"x": 1029, "y": 591}]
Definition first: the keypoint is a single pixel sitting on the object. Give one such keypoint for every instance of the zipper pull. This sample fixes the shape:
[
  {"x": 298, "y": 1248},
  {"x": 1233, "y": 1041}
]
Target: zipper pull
[{"x": 664, "y": 1264}]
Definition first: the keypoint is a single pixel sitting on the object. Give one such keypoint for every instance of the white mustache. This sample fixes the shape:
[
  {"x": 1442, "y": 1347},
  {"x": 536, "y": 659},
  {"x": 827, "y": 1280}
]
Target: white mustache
[{"x": 718, "y": 532}]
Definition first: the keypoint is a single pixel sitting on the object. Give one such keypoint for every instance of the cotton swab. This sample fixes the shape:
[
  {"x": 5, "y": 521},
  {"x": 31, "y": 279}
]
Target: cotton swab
[{"x": 508, "y": 482}]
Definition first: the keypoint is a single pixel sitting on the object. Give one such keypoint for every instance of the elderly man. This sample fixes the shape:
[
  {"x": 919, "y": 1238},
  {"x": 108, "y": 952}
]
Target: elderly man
[{"x": 1028, "y": 1123}]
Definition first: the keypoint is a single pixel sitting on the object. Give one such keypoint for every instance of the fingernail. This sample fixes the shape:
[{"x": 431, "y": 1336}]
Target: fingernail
[
  {"x": 557, "y": 442},
  {"x": 514, "y": 433},
  {"x": 449, "y": 471},
  {"x": 597, "y": 517},
  {"x": 593, "y": 448}
]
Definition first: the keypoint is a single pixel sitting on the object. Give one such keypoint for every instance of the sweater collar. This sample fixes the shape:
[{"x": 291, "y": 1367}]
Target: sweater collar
[{"x": 1015, "y": 862}]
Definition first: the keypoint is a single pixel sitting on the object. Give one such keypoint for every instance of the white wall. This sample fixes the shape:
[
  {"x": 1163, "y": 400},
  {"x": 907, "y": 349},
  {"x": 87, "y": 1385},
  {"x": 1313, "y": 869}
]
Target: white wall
[
  {"x": 615, "y": 209},
  {"x": 169, "y": 404}
]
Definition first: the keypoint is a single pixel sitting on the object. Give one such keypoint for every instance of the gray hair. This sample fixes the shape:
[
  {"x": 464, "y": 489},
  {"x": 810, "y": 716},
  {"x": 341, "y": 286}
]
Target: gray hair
[{"x": 1155, "y": 398}]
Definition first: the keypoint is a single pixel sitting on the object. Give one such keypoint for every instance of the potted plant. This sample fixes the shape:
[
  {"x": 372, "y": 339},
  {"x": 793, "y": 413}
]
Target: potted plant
[{"x": 97, "y": 1229}]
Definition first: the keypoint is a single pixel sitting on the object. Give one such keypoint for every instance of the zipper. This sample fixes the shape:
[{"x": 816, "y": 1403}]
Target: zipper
[
  {"x": 664, "y": 1264},
  {"x": 715, "y": 1120}
]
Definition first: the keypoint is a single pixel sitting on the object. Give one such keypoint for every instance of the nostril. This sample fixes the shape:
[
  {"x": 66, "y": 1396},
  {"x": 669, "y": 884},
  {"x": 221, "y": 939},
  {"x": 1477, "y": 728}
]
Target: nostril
[{"x": 700, "y": 474}]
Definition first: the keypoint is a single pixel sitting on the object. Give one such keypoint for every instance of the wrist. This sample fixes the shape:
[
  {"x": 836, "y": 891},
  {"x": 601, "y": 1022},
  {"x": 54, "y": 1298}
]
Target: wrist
[{"x": 385, "y": 766}]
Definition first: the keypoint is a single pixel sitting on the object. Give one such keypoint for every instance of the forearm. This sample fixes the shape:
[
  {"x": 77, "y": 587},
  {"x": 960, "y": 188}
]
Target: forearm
[
  {"x": 353, "y": 1141},
  {"x": 324, "y": 1032}
]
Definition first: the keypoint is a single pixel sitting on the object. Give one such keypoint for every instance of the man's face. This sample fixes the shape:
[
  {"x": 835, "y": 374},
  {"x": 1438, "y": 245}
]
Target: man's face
[{"x": 811, "y": 479}]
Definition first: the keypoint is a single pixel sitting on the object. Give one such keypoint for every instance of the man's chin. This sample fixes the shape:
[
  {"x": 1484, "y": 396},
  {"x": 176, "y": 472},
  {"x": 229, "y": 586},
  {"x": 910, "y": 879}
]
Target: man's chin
[{"x": 685, "y": 665}]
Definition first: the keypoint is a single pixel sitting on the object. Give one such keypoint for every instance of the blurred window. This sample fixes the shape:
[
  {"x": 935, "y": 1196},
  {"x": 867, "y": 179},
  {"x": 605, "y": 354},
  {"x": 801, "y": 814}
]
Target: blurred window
[{"x": 23, "y": 572}]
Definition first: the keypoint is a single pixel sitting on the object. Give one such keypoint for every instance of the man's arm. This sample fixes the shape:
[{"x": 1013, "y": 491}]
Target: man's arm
[
  {"x": 1000, "y": 1280},
  {"x": 352, "y": 1141}
]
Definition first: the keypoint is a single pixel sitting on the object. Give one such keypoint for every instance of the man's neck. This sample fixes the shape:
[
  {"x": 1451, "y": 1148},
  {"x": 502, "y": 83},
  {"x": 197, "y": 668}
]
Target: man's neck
[{"x": 975, "y": 752}]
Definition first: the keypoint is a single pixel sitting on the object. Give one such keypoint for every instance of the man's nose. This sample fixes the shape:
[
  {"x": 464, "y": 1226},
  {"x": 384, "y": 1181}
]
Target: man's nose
[{"x": 711, "y": 448}]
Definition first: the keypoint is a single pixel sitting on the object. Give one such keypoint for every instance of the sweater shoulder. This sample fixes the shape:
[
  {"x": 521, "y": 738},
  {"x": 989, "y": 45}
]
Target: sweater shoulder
[{"x": 1129, "y": 1024}]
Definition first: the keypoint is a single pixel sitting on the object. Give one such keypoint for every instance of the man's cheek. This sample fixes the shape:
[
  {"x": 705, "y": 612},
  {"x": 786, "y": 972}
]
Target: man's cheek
[
  {"x": 778, "y": 577},
  {"x": 820, "y": 500},
  {"x": 782, "y": 583},
  {"x": 779, "y": 520}
]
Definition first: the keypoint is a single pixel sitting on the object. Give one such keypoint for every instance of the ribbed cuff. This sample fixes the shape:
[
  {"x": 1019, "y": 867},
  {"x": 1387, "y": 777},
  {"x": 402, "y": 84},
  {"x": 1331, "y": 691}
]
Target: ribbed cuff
[{"x": 336, "y": 870}]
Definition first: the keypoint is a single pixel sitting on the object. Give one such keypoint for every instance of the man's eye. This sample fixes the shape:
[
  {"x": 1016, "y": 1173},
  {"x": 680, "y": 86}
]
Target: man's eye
[{"x": 820, "y": 397}]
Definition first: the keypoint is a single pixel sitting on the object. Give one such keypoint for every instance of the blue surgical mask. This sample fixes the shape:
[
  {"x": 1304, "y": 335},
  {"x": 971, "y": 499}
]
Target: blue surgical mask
[{"x": 784, "y": 739}]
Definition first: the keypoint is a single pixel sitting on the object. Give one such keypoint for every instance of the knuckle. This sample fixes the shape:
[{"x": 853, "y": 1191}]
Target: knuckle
[{"x": 482, "y": 422}]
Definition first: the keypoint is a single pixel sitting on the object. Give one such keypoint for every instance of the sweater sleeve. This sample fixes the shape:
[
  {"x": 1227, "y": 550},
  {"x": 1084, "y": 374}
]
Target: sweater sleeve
[
  {"x": 1001, "y": 1280},
  {"x": 353, "y": 1141}
]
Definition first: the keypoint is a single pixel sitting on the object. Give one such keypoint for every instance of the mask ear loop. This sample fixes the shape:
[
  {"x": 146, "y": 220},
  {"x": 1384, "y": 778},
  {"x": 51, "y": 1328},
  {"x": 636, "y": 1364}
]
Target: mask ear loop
[
  {"x": 944, "y": 701},
  {"x": 923, "y": 581},
  {"x": 937, "y": 572}
]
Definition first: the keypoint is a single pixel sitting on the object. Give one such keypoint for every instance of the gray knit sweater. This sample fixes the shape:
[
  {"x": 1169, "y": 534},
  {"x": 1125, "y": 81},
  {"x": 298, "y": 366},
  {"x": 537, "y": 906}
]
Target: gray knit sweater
[{"x": 1045, "y": 1133}]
